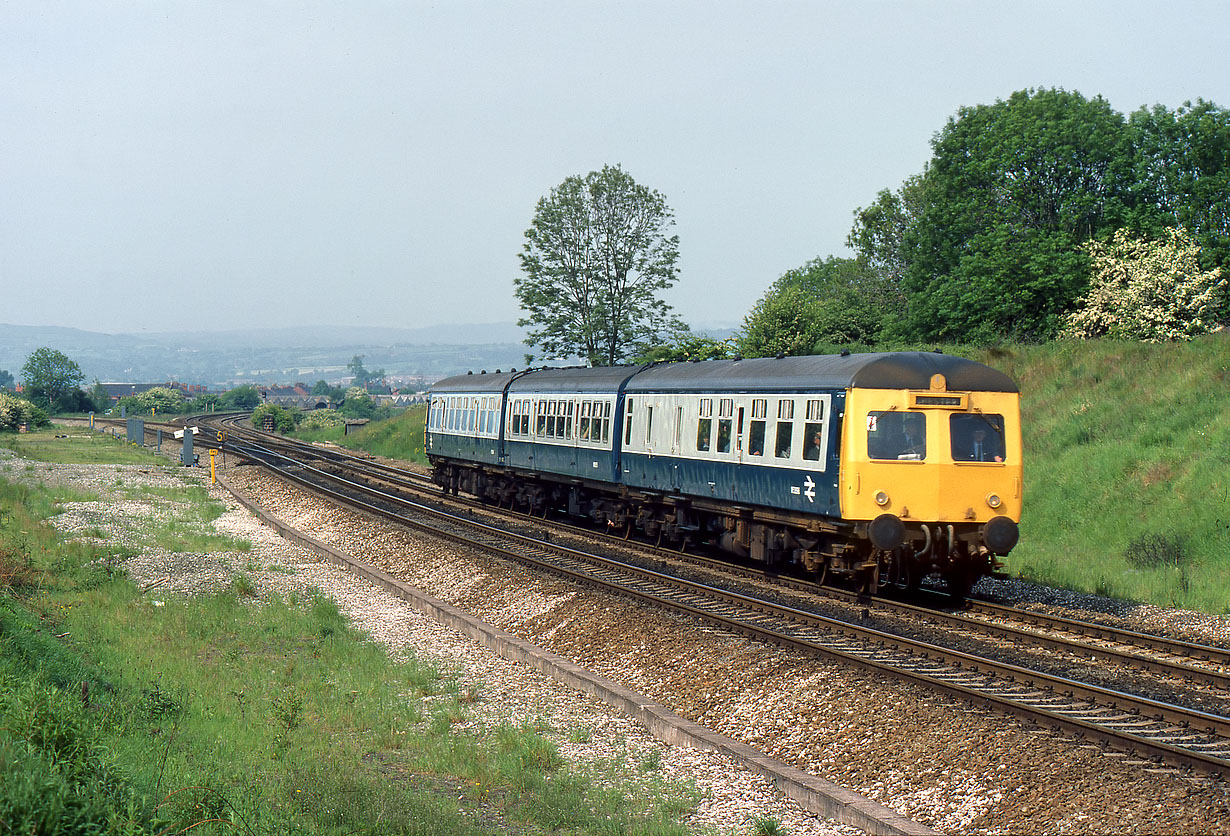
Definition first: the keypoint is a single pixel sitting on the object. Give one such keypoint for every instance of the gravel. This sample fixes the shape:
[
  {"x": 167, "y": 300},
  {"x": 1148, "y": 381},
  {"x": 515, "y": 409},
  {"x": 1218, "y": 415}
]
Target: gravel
[{"x": 952, "y": 767}]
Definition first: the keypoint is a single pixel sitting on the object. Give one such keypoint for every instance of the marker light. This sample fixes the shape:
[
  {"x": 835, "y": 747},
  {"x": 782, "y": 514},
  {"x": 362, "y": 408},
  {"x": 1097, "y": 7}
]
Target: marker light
[
  {"x": 882, "y": 498},
  {"x": 994, "y": 501}
]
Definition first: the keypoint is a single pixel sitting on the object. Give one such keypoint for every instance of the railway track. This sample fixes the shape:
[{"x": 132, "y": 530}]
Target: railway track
[{"x": 1156, "y": 731}]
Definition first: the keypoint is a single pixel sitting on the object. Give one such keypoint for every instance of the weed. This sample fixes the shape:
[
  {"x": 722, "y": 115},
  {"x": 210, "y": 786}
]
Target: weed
[
  {"x": 243, "y": 586},
  {"x": 1156, "y": 550},
  {"x": 157, "y": 704},
  {"x": 767, "y": 826}
]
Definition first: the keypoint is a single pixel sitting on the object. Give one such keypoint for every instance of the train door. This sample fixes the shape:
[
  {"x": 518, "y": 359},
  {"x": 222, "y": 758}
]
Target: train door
[{"x": 676, "y": 449}]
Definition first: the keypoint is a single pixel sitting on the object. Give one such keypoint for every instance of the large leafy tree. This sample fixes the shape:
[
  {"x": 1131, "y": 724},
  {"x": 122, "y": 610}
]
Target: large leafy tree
[
  {"x": 832, "y": 301},
  {"x": 52, "y": 379},
  {"x": 596, "y": 258},
  {"x": 1181, "y": 172},
  {"x": 1012, "y": 192}
]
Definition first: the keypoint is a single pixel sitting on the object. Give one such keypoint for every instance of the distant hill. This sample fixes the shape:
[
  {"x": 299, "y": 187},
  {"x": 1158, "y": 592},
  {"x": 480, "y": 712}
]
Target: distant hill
[{"x": 273, "y": 355}]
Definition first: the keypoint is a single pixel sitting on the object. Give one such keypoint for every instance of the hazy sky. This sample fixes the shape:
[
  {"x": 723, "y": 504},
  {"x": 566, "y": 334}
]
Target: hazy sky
[{"x": 361, "y": 162}]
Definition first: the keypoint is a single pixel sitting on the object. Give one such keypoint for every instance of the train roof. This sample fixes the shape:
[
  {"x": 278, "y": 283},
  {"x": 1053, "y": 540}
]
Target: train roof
[
  {"x": 471, "y": 383},
  {"x": 888, "y": 370}
]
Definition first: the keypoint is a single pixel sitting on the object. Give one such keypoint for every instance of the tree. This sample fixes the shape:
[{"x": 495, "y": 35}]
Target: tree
[
  {"x": 596, "y": 256},
  {"x": 686, "y": 345},
  {"x": 6, "y": 379},
  {"x": 1182, "y": 176},
  {"x": 362, "y": 377},
  {"x": 1148, "y": 290},
  {"x": 828, "y": 301},
  {"x": 878, "y": 237},
  {"x": 50, "y": 376},
  {"x": 1012, "y": 192},
  {"x": 241, "y": 397}
]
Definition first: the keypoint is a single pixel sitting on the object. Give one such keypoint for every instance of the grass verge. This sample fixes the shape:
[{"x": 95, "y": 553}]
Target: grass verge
[
  {"x": 399, "y": 438},
  {"x": 122, "y": 713}
]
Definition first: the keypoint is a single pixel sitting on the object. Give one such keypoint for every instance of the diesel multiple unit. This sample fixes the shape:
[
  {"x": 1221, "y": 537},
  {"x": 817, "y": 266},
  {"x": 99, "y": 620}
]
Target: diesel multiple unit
[{"x": 880, "y": 467}]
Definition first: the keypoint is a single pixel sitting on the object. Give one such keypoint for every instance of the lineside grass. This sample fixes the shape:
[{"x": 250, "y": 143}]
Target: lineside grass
[
  {"x": 126, "y": 713},
  {"x": 1127, "y": 468},
  {"x": 400, "y": 437},
  {"x": 75, "y": 445}
]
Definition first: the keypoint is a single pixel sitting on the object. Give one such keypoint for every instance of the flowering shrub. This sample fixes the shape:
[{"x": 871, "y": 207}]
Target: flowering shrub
[
  {"x": 160, "y": 400},
  {"x": 15, "y": 411},
  {"x": 1152, "y": 291},
  {"x": 319, "y": 419}
]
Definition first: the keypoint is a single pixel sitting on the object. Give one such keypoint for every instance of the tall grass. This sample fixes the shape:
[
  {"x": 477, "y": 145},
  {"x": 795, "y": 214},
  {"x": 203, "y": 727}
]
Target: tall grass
[
  {"x": 400, "y": 437},
  {"x": 1126, "y": 444}
]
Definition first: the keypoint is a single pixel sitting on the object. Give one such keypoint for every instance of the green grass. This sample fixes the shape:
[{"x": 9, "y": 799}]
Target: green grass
[
  {"x": 120, "y": 713},
  {"x": 1126, "y": 444},
  {"x": 399, "y": 438},
  {"x": 77, "y": 445}
]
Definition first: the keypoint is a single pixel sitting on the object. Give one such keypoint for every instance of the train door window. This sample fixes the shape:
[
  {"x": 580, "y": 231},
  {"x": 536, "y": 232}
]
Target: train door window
[
  {"x": 678, "y": 428},
  {"x": 813, "y": 431},
  {"x": 540, "y": 418},
  {"x": 569, "y": 410},
  {"x": 900, "y": 436},
  {"x": 977, "y": 437},
  {"x": 628, "y": 405},
  {"x": 726, "y": 409},
  {"x": 784, "y": 443},
  {"x": 704, "y": 427},
  {"x": 755, "y": 436},
  {"x": 648, "y": 426},
  {"x": 606, "y": 422}
]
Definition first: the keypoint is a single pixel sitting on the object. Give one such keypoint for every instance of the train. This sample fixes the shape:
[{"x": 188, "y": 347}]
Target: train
[{"x": 871, "y": 469}]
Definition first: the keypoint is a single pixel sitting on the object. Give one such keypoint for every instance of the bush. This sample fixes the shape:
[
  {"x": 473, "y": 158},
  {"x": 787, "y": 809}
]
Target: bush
[
  {"x": 321, "y": 419},
  {"x": 1152, "y": 551},
  {"x": 15, "y": 411},
  {"x": 283, "y": 419},
  {"x": 159, "y": 400},
  {"x": 1152, "y": 291}
]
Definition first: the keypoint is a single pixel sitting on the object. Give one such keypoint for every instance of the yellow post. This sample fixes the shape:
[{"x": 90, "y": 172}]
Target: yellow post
[{"x": 213, "y": 467}]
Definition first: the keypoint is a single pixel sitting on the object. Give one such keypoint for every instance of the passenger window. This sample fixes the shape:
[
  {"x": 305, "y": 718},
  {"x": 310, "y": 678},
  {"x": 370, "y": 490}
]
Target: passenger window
[
  {"x": 814, "y": 449},
  {"x": 785, "y": 439},
  {"x": 704, "y": 431},
  {"x": 723, "y": 441},
  {"x": 899, "y": 436},
  {"x": 755, "y": 439},
  {"x": 977, "y": 438}
]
